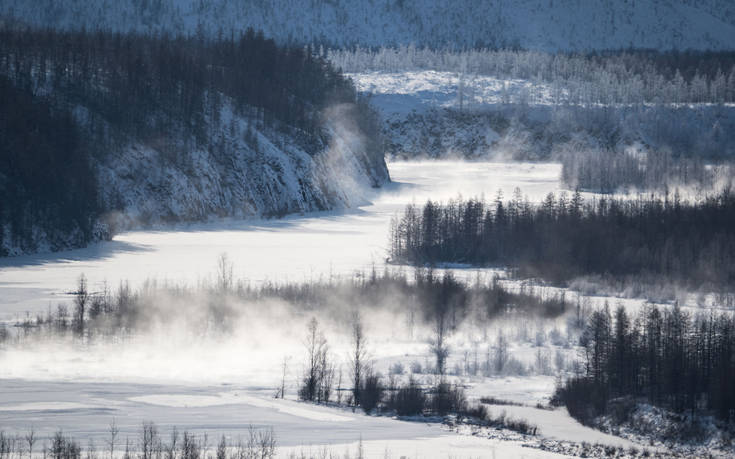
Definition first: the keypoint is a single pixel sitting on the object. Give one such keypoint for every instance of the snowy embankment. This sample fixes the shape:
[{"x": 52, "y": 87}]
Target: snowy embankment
[{"x": 85, "y": 409}]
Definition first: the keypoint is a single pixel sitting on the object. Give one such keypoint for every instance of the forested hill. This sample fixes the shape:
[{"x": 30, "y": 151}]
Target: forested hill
[
  {"x": 100, "y": 130},
  {"x": 549, "y": 25}
]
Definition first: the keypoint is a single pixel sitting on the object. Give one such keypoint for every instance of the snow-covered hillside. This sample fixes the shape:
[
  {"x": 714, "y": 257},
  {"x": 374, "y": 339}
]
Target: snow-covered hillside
[
  {"x": 268, "y": 176},
  {"x": 162, "y": 137},
  {"x": 435, "y": 114},
  {"x": 534, "y": 24}
]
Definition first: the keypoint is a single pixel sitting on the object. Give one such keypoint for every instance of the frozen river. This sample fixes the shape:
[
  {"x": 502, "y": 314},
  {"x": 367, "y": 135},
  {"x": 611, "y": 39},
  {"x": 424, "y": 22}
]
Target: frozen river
[
  {"x": 217, "y": 388},
  {"x": 296, "y": 248}
]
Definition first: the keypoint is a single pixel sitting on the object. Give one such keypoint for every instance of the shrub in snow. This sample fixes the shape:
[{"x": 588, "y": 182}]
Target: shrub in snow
[{"x": 408, "y": 400}]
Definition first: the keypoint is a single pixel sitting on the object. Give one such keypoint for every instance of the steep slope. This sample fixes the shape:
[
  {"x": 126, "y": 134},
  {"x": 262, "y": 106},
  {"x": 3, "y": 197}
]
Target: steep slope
[
  {"x": 550, "y": 25},
  {"x": 111, "y": 131},
  {"x": 260, "y": 173}
]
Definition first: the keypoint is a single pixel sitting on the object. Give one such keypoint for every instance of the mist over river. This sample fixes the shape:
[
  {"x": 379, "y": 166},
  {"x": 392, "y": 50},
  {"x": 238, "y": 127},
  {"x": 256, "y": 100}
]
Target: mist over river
[{"x": 296, "y": 248}]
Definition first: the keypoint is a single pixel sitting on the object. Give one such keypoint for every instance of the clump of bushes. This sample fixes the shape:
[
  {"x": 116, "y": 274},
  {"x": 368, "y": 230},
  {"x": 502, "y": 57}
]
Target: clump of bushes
[
  {"x": 409, "y": 400},
  {"x": 447, "y": 398},
  {"x": 371, "y": 393}
]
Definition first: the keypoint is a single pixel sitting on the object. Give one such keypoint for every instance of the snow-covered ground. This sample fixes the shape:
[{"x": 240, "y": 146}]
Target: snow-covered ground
[
  {"x": 84, "y": 410},
  {"x": 296, "y": 248},
  {"x": 223, "y": 386},
  {"x": 206, "y": 386},
  {"x": 400, "y": 93}
]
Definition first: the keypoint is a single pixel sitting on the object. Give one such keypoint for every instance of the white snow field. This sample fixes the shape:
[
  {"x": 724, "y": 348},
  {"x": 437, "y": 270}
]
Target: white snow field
[
  {"x": 222, "y": 387},
  {"x": 295, "y": 248},
  {"x": 400, "y": 93}
]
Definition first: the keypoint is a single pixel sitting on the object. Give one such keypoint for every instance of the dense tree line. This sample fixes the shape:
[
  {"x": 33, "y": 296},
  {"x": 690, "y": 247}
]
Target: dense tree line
[
  {"x": 625, "y": 77},
  {"x": 145, "y": 85},
  {"x": 595, "y": 24},
  {"x": 670, "y": 358},
  {"x": 608, "y": 171},
  {"x": 671, "y": 239},
  {"x": 46, "y": 179},
  {"x": 74, "y": 99}
]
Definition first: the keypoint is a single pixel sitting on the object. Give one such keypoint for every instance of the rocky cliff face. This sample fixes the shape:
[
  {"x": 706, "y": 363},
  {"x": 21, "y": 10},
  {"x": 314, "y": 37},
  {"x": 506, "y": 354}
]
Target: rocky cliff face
[{"x": 244, "y": 174}]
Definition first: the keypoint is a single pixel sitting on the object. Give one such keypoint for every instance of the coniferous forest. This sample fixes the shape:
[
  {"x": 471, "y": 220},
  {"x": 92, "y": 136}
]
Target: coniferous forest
[
  {"x": 45, "y": 173},
  {"x": 670, "y": 358},
  {"x": 564, "y": 237},
  {"x": 75, "y": 99}
]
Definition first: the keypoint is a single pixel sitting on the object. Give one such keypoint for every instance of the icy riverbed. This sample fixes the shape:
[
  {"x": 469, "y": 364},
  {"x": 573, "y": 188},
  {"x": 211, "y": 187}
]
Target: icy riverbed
[
  {"x": 224, "y": 386},
  {"x": 295, "y": 248}
]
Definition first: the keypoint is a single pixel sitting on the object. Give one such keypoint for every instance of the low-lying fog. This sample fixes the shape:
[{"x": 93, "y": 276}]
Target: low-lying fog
[
  {"x": 173, "y": 371},
  {"x": 295, "y": 249}
]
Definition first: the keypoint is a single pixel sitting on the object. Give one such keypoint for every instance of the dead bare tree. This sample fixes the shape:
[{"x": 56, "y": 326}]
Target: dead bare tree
[
  {"x": 221, "y": 448},
  {"x": 149, "y": 440},
  {"x": 91, "y": 452},
  {"x": 114, "y": 431},
  {"x": 267, "y": 443},
  {"x": 317, "y": 372},
  {"x": 339, "y": 386},
  {"x": 326, "y": 377},
  {"x": 171, "y": 450},
  {"x": 30, "y": 438},
  {"x": 357, "y": 357},
  {"x": 284, "y": 369},
  {"x": 438, "y": 344},
  {"x": 224, "y": 272},
  {"x": 81, "y": 298}
]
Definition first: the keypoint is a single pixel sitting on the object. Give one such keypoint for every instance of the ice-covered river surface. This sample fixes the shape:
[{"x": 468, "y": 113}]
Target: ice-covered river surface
[
  {"x": 295, "y": 248},
  {"x": 209, "y": 389}
]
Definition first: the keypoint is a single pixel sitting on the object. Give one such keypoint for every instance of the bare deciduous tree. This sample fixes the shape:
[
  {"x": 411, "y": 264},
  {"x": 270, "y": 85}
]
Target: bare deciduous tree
[
  {"x": 438, "y": 345},
  {"x": 284, "y": 369},
  {"x": 81, "y": 298},
  {"x": 357, "y": 357},
  {"x": 114, "y": 431},
  {"x": 30, "y": 439},
  {"x": 149, "y": 440},
  {"x": 224, "y": 272},
  {"x": 319, "y": 373}
]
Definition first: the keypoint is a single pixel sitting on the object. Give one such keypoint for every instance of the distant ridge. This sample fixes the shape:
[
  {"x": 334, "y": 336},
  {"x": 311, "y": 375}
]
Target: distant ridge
[{"x": 549, "y": 25}]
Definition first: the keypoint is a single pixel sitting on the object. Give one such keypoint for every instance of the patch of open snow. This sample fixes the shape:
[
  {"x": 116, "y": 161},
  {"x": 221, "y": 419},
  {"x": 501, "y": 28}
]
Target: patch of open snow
[
  {"x": 558, "y": 424},
  {"x": 443, "y": 446},
  {"x": 301, "y": 410},
  {"x": 528, "y": 390},
  {"x": 44, "y": 406},
  {"x": 296, "y": 409},
  {"x": 400, "y": 93}
]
